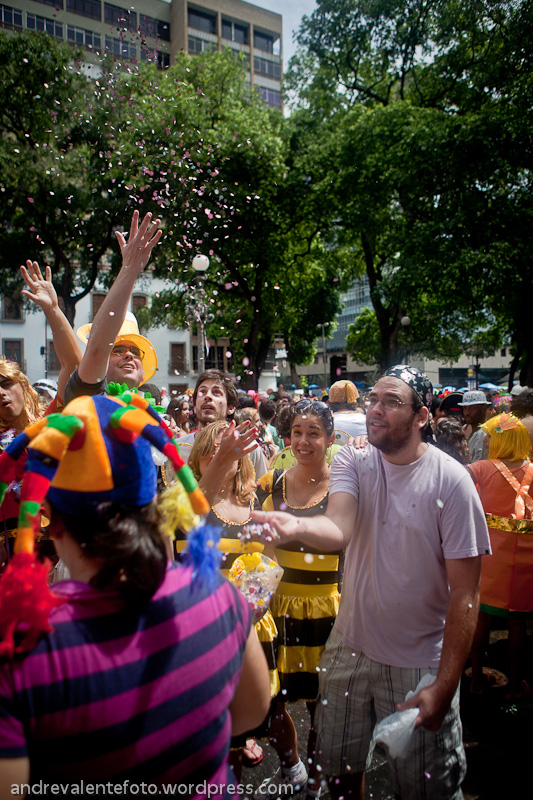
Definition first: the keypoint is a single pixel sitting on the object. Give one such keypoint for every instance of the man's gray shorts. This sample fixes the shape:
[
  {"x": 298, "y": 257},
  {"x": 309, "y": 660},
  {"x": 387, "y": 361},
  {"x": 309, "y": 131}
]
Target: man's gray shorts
[{"x": 355, "y": 693}]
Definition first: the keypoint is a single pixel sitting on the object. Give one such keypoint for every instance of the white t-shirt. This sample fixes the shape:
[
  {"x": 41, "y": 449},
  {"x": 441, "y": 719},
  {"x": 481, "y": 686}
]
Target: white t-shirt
[
  {"x": 351, "y": 422},
  {"x": 410, "y": 519}
]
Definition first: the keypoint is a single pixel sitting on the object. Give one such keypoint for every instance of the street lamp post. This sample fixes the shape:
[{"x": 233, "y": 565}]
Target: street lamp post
[{"x": 198, "y": 307}]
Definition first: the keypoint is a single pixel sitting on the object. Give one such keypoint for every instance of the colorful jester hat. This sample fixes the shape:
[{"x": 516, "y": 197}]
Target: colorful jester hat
[{"x": 96, "y": 450}]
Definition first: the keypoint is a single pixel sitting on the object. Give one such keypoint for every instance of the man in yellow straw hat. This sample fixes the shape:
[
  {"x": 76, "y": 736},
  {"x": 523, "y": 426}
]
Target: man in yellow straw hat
[{"x": 116, "y": 351}]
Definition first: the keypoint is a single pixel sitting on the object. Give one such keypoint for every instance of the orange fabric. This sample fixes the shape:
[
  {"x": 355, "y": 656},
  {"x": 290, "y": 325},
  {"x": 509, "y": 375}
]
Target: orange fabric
[{"x": 506, "y": 575}]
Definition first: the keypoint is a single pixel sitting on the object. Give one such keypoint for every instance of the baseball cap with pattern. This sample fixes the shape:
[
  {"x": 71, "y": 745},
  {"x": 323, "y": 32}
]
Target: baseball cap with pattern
[{"x": 475, "y": 398}]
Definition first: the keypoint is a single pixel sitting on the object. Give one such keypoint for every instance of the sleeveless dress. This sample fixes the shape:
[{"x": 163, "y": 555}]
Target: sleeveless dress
[
  {"x": 506, "y": 575},
  {"x": 306, "y": 602}
]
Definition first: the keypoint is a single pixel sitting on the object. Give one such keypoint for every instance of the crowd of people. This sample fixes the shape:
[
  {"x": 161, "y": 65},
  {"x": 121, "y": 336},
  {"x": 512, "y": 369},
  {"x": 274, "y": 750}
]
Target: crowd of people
[{"x": 393, "y": 516}]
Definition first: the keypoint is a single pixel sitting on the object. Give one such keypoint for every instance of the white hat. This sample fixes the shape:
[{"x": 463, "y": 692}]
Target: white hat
[
  {"x": 517, "y": 389},
  {"x": 474, "y": 398},
  {"x": 45, "y": 386}
]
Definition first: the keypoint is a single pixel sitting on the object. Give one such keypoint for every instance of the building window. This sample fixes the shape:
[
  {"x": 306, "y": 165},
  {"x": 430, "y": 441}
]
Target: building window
[
  {"x": 86, "y": 8},
  {"x": 197, "y": 46},
  {"x": 96, "y": 300},
  {"x": 178, "y": 362},
  {"x": 270, "y": 96},
  {"x": 264, "y": 67},
  {"x": 54, "y": 364},
  {"x": 163, "y": 60},
  {"x": 155, "y": 57},
  {"x": 138, "y": 301},
  {"x": 503, "y": 352},
  {"x": 83, "y": 37},
  {"x": 155, "y": 28},
  {"x": 201, "y": 21},
  {"x": 55, "y": 3},
  {"x": 264, "y": 42},
  {"x": 10, "y": 17},
  {"x": 235, "y": 32},
  {"x": 121, "y": 48},
  {"x": 12, "y": 350},
  {"x": 122, "y": 17},
  {"x": 214, "y": 359},
  {"x": 44, "y": 25},
  {"x": 11, "y": 310}
]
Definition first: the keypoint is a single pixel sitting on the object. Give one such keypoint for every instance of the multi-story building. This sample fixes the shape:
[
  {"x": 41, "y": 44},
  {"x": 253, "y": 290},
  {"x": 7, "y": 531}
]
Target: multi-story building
[{"x": 158, "y": 30}]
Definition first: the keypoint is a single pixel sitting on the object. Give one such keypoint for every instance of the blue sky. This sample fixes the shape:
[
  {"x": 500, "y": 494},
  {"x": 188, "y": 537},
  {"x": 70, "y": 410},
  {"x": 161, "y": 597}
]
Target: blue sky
[{"x": 292, "y": 12}]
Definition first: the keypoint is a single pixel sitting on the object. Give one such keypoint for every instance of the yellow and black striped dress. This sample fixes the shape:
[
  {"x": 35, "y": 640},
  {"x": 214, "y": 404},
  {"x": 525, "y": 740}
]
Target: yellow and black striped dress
[{"x": 306, "y": 602}]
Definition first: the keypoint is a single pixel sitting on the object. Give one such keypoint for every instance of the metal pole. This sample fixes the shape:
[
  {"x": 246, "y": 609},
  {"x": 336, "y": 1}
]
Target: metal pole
[
  {"x": 201, "y": 346},
  {"x": 200, "y": 312}
]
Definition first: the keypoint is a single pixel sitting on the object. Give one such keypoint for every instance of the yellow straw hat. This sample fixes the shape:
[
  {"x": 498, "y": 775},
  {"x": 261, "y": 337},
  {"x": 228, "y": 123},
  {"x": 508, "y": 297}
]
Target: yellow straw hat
[{"x": 129, "y": 332}]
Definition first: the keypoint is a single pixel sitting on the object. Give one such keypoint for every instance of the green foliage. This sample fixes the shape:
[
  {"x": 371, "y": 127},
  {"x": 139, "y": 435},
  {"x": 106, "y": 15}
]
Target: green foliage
[
  {"x": 428, "y": 110},
  {"x": 190, "y": 143}
]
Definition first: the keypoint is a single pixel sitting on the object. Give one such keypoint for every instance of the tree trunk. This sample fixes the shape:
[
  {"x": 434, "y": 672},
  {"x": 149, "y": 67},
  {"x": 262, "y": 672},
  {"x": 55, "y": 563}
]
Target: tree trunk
[
  {"x": 295, "y": 378},
  {"x": 526, "y": 372}
]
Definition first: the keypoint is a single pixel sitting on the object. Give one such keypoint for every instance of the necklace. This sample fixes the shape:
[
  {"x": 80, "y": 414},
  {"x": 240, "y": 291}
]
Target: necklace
[
  {"x": 231, "y": 521},
  {"x": 306, "y": 504}
]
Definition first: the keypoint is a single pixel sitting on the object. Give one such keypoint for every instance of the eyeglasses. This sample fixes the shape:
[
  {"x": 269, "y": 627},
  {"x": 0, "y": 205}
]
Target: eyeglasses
[
  {"x": 122, "y": 349},
  {"x": 390, "y": 404},
  {"x": 317, "y": 405}
]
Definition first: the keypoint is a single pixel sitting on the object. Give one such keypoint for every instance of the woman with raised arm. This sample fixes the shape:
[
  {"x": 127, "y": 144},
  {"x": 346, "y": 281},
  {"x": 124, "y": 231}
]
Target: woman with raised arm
[{"x": 220, "y": 463}]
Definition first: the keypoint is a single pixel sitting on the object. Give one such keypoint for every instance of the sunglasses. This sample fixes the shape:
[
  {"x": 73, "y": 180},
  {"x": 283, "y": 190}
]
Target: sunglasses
[
  {"x": 122, "y": 349},
  {"x": 316, "y": 405}
]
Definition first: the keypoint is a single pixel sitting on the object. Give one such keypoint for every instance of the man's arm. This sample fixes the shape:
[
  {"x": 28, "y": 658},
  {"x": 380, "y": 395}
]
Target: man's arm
[
  {"x": 461, "y": 619},
  {"x": 136, "y": 252},
  {"x": 41, "y": 292},
  {"x": 331, "y": 531}
]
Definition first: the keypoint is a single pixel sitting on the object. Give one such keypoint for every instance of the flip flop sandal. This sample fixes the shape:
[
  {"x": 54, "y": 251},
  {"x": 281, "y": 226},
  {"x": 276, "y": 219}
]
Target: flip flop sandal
[{"x": 252, "y": 754}]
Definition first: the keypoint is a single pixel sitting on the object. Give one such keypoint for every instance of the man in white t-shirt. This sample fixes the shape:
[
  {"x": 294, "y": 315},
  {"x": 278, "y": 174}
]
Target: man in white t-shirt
[
  {"x": 414, "y": 530},
  {"x": 347, "y": 417}
]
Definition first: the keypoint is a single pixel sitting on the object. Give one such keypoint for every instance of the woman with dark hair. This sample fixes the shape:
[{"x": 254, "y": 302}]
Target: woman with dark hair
[
  {"x": 179, "y": 411},
  {"x": 136, "y": 669},
  {"x": 450, "y": 437},
  {"x": 307, "y": 600}
]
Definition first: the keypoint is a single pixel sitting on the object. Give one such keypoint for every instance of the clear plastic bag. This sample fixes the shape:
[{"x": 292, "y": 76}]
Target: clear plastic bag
[{"x": 396, "y": 730}]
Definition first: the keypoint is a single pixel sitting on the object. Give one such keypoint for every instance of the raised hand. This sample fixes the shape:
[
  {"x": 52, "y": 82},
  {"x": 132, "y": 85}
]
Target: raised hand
[
  {"x": 40, "y": 290},
  {"x": 142, "y": 238}
]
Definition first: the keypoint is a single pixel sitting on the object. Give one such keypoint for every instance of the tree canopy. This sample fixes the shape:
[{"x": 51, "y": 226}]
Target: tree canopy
[
  {"x": 190, "y": 143},
  {"x": 432, "y": 104}
]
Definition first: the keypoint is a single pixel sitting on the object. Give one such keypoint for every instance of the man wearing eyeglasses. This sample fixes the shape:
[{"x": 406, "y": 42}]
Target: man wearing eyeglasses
[
  {"x": 115, "y": 349},
  {"x": 414, "y": 530}
]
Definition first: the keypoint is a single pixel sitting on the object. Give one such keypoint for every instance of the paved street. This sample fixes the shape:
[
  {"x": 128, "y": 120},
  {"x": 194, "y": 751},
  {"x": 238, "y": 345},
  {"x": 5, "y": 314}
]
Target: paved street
[{"x": 497, "y": 740}]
